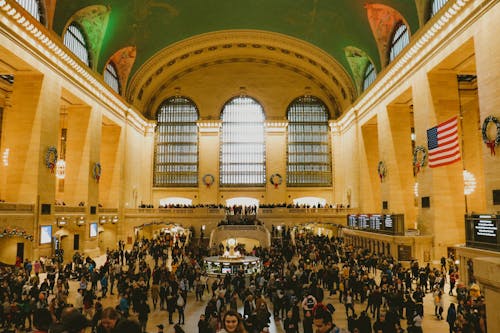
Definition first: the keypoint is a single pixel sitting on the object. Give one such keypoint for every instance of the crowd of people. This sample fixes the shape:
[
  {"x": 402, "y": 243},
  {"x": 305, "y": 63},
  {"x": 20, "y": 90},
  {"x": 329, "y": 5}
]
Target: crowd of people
[{"x": 301, "y": 277}]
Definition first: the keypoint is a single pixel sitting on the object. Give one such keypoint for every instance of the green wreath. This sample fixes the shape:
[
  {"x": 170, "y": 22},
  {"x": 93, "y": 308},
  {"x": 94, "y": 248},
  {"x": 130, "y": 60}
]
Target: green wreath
[
  {"x": 490, "y": 143},
  {"x": 382, "y": 170},
  {"x": 417, "y": 164},
  {"x": 208, "y": 179},
  {"x": 97, "y": 171},
  {"x": 278, "y": 180},
  {"x": 51, "y": 158}
]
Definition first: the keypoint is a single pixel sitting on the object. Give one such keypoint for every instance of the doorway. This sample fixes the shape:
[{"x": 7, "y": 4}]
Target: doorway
[
  {"x": 20, "y": 251},
  {"x": 76, "y": 242}
]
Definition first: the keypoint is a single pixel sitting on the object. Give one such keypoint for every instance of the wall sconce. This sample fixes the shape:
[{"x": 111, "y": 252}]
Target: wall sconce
[
  {"x": 103, "y": 219},
  {"x": 114, "y": 219},
  {"x": 80, "y": 221},
  {"x": 61, "y": 221}
]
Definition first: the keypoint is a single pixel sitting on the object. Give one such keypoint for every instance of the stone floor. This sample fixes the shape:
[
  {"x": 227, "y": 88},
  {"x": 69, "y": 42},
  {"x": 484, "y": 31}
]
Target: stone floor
[{"x": 195, "y": 308}]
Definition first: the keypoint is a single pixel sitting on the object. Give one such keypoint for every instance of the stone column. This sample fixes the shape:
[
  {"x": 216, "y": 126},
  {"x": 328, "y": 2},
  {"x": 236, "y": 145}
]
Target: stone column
[
  {"x": 396, "y": 151},
  {"x": 209, "y": 144},
  {"x": 276, "y": 160},
  {"x": 486, "y": 272},
  {"x": 370, "y": 184}
]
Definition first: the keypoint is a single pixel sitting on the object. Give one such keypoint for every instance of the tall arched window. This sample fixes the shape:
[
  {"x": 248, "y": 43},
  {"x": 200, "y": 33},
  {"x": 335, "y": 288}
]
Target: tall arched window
[
  {"x": 243, "y": 151},
  {"x": 111, "y": 77},
  {"x": 176, "y": 153},
  {"x": 437, "y": 5},
  {"x": 75, "y": 41},
  {"x": 369, "y": 76},
  {"x": 308, "y": 158},
  {"x": 399, "y": 40},
  {"x": 34, "y": 7}
]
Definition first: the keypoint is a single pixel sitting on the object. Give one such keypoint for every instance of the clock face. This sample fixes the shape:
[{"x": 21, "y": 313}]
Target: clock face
[{"x": 231, "y": 242}]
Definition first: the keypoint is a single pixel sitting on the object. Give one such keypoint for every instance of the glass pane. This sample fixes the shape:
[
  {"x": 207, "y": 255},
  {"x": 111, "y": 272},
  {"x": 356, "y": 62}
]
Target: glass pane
[
  {"x": 111, "y": 77},
  {"x": 75, "y": 42},
  {"x": 399, "y": 41},
  {"x": 242, "y": 157},
  {"x": 308, "y": 158},
  {"x": 176, "y": 155},
  {"x": 32, "y": 7}
]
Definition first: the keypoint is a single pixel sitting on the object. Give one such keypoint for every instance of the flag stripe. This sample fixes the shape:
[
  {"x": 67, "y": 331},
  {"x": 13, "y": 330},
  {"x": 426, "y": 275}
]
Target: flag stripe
[{"x": 442, "y": 142}]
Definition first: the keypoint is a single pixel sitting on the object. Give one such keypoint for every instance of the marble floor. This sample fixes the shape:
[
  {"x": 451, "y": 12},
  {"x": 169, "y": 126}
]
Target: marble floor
[{"x": 195, "y": 308}]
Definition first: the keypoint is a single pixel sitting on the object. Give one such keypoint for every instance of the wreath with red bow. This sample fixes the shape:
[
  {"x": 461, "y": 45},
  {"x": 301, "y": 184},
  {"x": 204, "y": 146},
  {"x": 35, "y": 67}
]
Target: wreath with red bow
[{"x": 491, "y": 143}]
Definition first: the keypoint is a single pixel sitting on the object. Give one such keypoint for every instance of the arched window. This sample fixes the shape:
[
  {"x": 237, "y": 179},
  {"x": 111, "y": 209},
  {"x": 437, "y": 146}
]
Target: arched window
[
  {"x": 242, "y": 157},
  {"x": 176, "y": 153},
  {"x": 369, "y": 76},
  {"x": 34, "y": 8},
  {"x": 75, "y": 41},
  {"x": 437, "y": 5},
  {"x": 111, "y": 77},
  {"x": 309, "y": 158},
  {"x": 400, "y": 39}
]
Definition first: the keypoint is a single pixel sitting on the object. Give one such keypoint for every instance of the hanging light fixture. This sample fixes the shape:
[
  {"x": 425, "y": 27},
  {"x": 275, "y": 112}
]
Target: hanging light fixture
[
  {"x": 60, "y": 169},
  {"x": 469, "y": 182},
  {"x": 415, "y": 190}
]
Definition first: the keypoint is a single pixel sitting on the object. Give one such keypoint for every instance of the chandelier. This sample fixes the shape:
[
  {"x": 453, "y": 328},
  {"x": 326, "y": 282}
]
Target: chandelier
[{"x": 469, "y": 182}]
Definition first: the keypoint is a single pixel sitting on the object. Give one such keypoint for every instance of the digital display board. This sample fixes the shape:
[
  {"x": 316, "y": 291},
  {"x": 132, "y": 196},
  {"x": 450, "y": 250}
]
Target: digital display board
[
  {"x": 363, "y": 220},
  {"x": 387, "y": 222},
  {"x": 485, "y": 228},
  {"x": 93, "y": 229},
  {"x": 383, "y": 223},
  {"x": 352, "y": 221},
  {"x": 45, "y": 234}
]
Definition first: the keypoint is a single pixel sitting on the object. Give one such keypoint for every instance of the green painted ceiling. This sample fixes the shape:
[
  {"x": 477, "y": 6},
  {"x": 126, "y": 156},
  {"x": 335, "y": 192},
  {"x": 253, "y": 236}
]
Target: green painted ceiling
[{"x": 152, "y": 25}]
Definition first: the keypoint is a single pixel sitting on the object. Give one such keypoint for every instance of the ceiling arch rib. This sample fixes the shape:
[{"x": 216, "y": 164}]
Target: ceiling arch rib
[
  {"x": 123, "y": 60},
  {"x": 358, "y": 60},
  {"x": 251, "y": 47}
]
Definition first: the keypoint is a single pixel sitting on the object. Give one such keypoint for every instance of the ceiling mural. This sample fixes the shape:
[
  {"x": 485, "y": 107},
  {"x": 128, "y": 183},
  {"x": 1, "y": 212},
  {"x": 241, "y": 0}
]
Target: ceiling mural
[
  {"x": 152, "y": 25},
  {"x": 124, "y": 60},
  {"x": 93, "y": 20},
  {"x": 133, "y": 32},
  {"x": 383, "y": 19},
  {"x": 358, "y": 60}
]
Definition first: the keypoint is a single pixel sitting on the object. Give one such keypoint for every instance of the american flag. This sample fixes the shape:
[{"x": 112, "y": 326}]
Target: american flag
[{"x": 442, "y": 142}]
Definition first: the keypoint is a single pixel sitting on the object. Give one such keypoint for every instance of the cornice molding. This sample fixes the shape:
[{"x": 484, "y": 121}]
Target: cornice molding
[{"x": 33, "y": 37}]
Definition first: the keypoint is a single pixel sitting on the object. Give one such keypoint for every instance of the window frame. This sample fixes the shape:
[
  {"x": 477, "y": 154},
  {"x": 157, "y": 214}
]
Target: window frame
[
  {"x": 302, "y": 150},
  {"x": 82, "y": 42},
  {"x": 114, "y": 75},
  {"x": 369, "y": 75},
  {"x": 398, "y": 40},
  {"x": 436, "y": 6},
  {"x": 237, "y": 175},
  {"x": 40, "y": 6},
  {"x": 175, "y": 145}
]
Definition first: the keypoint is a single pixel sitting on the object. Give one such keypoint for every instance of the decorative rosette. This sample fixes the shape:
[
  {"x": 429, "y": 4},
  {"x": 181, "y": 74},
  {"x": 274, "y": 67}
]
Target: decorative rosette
[{"x": 491, "y": 143}]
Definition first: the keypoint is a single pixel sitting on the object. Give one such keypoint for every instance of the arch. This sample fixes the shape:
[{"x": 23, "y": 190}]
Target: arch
[
  {"x": 172, "y": 201},
  {"x": 242, "y": 201},
  {"x": 93, "y": 22},
  {"x": 252, "y": 47},
  {"x": 358, "y": 61},
  {"x": 124, "y": 59},
  {"x": 382, "y": 20},
  {"x": 310, "y": 201}
]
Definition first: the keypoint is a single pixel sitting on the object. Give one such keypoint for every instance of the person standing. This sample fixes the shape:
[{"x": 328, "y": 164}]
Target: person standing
[{"x": 451, "y": 317}]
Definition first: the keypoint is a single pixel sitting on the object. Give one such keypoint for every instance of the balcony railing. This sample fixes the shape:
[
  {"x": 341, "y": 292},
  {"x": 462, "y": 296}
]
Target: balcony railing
[{"x": 16, "y": 207}]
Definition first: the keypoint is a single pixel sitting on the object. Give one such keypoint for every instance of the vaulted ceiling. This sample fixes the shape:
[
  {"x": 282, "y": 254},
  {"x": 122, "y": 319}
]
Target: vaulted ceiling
[{"x": 147, "y": 37}]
